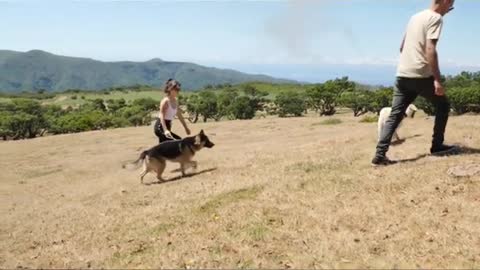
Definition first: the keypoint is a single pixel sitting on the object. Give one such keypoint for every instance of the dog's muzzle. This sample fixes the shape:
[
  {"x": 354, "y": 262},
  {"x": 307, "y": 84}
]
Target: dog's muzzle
[{"x": 209, "y": 145}]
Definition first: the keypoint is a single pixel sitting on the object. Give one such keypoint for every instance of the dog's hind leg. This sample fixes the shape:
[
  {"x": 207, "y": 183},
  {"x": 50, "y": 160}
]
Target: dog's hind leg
[
  {"x": 144, "y": 172},
  {"x": 160, "y": 168}
]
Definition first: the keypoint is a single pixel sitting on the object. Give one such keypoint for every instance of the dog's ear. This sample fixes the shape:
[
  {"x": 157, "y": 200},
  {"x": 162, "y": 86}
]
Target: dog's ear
[
  {"x": 198, "y": 140},
  {"x": 201, "y": 132}
]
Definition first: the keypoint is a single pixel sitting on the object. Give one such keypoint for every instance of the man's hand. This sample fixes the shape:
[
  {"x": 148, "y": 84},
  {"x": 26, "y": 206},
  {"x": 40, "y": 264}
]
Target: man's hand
[{"x": 439, "y": 90}]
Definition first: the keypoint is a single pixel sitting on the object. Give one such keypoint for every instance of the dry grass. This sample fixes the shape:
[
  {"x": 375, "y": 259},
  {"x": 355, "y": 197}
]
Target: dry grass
[{"x": 272, "y": 193}]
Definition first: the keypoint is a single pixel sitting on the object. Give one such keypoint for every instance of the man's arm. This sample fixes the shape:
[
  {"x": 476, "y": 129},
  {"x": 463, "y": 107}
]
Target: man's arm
[
  {"x": 434, "y": 31},
  {"x": 403, "y": 43},
  {"x": 432, "y": 58}
]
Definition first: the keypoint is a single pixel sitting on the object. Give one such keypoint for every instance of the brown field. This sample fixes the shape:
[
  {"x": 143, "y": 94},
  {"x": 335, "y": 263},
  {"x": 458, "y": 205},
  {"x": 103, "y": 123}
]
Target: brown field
[{"x": 272, "y": 193}]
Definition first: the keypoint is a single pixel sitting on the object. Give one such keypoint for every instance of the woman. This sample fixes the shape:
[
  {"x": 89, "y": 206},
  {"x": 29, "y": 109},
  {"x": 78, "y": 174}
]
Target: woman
[{"x": 168, "y": 109}]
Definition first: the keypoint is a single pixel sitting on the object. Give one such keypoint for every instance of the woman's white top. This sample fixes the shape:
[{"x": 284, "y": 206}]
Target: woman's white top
[{"x": 171, "y": 111}]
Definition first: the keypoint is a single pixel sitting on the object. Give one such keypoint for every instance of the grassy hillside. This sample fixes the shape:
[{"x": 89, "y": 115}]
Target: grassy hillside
[
  {"x": 289, "y": 193},
  {"x": 75, "y": 98},
  {"x": 36, "y": 69}
]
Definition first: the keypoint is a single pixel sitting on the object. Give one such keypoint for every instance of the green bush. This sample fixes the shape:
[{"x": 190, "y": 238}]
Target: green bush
[
  {"x": 380, "y": 99},
  {"x": 463, "y": 100},
  {"x": 425, "y": 105},
  {"x": 147, "y": 104},
  {"x": 225, "y": 103},
  {"x": 243, "y": 108},
  {"x": 290, "y": 103},
  {"x": 359, "y": 101},
  {"x": 324, "y": 98}
]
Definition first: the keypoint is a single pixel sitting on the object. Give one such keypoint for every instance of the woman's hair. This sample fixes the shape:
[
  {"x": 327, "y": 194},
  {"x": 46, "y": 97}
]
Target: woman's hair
[{"x": 171, "y": 84}]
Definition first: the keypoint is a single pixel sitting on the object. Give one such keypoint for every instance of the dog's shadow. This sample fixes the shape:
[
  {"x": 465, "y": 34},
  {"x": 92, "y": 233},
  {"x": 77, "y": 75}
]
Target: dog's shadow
[
  {"x": 177, "y": 178},
  {"x": 461, "y": 151}
]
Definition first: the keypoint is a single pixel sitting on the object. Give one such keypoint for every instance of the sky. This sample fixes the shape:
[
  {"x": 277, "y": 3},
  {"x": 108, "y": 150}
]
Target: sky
[{"x": 307, "y": 40}]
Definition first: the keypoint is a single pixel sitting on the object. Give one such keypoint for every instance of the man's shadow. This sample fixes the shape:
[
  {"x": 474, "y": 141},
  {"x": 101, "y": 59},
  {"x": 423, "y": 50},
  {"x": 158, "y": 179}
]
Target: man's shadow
[
  {"x": 177, "y": 178},
  {"x": 459, "y": 151},
  {"x": 401, "y": 141}
]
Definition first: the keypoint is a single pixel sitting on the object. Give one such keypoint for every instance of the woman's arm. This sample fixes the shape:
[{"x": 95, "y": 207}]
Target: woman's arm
[{"x": 163, "y": 111}]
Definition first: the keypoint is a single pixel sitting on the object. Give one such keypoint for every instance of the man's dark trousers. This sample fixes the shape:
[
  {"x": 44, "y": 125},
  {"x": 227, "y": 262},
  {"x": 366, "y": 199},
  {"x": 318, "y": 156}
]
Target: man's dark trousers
[{"x": 405, "y": 92}]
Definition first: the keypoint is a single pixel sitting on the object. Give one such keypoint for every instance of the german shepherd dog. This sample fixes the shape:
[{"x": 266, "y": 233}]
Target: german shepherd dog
[{"x": 180, "y": 151}]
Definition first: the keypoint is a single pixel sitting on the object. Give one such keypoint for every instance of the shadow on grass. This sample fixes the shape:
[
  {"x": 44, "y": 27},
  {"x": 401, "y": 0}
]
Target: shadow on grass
[
  {"x": 177, "y": 178},
  {"x": 459, "y": 151}
]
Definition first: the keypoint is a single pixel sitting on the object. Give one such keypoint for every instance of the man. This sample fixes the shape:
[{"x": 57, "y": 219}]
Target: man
[{"x": 418, "y": 74}]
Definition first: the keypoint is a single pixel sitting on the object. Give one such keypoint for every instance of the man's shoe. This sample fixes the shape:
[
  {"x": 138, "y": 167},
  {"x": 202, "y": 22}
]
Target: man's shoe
[
  {"x": 382, "y": 161},
  {"x": 443, "y": 149}
]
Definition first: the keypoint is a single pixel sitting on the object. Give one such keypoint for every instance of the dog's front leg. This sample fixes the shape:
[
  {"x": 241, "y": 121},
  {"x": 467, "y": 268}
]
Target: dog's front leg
[
  {"x": 194, "y": 164},
  {"x": 160, "y": 169},
  {"x": 182, "y": 169}
]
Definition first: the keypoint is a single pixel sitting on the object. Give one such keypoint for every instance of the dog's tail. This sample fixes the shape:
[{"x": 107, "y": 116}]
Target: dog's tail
[{"x": 135, "y": 164}]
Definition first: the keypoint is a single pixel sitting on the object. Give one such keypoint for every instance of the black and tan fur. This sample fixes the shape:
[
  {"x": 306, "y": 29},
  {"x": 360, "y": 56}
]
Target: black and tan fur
[{"x": 180, "y": 151}]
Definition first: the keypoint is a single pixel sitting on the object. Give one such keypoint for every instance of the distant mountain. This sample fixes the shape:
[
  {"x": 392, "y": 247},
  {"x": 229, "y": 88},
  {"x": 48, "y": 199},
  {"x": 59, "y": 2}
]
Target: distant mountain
[{"x": 34, "y": 70}]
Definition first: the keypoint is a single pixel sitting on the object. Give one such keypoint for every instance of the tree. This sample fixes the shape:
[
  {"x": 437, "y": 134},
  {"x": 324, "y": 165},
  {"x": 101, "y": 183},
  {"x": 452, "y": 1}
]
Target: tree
[
  {"x": 290, "y": 103},
  {"x": 51, "y": 113},
  {"x": 243, "y": 108},
  {"x": 257, "y": 97},
  {"x": 115, "y": 105},
  {"x": 225, "y": 100},
  {"x": 463, "y": 100},
  {"x": 96, "y": 104},
  {"x": 136, "y": 115},
  {"x": 147, "y": 104},
  {"x": 463, "y": 80},
  {"x": 381, "y": 98},
  {"x": 207, "y": 105},
  {"x": 323, "y": 98},
  {"x": 6, "y": 129},
  {"x": 193, "y": 107},
  {"x": 358, "y": 101},
  {"x": 27, "y": 120}
]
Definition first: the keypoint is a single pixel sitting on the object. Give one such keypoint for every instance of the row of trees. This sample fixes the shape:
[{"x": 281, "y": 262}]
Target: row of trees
[
  {"x": 233, "y": 103},
  {"x": 229, "y": 103},
  {"x": 27, "y": 118}
]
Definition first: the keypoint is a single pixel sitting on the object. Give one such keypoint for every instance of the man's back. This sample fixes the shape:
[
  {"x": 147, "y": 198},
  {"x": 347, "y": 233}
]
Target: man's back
[{"x": 413, "y": 63}]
